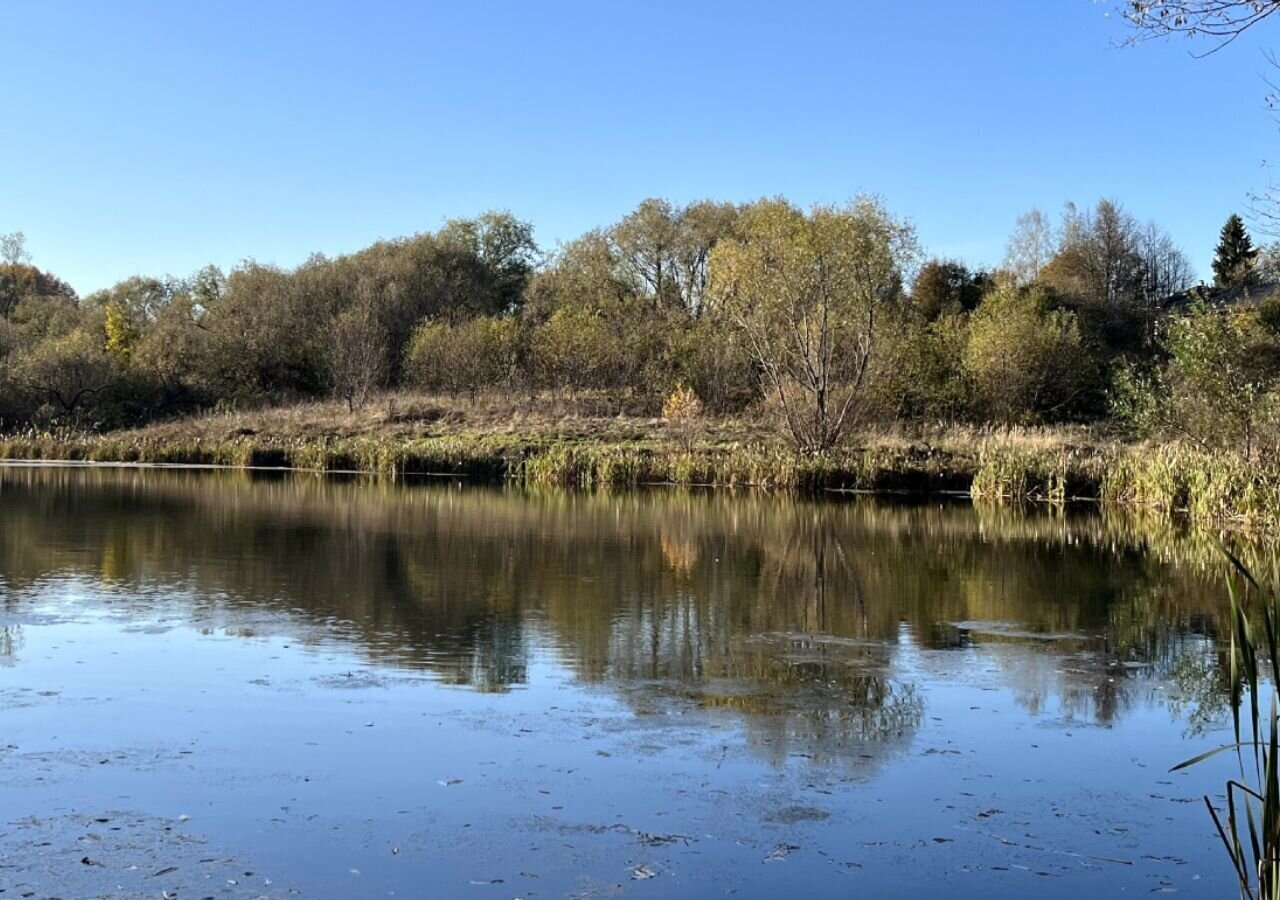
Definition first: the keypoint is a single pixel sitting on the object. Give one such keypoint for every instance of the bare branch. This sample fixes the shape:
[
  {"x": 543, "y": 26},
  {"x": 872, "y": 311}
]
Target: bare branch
[{"x": 1220, "y": 21}]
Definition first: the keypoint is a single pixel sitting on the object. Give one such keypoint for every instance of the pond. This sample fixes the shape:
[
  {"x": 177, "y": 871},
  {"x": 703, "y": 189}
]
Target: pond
[{"x": 215, "y": 684}]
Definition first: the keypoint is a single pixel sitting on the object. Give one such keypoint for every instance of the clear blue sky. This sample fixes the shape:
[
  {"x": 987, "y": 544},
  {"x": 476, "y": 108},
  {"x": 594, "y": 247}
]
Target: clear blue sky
[{"x": 157, "y": 137}]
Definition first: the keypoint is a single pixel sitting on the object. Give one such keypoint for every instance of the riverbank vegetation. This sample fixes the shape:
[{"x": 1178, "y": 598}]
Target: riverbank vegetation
[
  {"x": 407, "y": 435},
  {"x": 714, "y": 343}
]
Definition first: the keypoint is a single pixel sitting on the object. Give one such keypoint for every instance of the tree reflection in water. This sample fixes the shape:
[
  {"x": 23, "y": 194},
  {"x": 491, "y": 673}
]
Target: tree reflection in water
[
  {"x": 815, "y": 621},
  {"x": 10, "y": 641}
]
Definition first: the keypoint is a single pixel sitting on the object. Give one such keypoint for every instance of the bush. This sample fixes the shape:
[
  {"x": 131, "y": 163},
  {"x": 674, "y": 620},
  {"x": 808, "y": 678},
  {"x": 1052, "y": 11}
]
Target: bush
[
  {"x": 575, "y": 349},
  {"x": 1027, "y": 361},
  {"x": 479, "y": 354},
  {"x": 682, "y": 410},
  {"x": 1220, "y": 388},
  {"x": 918, "y": 372}
]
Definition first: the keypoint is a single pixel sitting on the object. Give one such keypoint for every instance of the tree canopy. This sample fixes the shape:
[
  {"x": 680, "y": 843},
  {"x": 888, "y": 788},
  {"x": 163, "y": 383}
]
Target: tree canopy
[{"x": 816, "y": 319}]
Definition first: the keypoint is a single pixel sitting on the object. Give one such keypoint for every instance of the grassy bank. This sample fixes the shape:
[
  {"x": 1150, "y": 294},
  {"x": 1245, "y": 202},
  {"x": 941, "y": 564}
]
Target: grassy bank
[
  {"x": 574, "y": 445},
  {"x": 526, "y": 459}
]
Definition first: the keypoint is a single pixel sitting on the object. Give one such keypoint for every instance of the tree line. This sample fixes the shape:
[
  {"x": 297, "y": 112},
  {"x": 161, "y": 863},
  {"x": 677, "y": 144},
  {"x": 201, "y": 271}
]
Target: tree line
[{"x": 819, "y": 319}]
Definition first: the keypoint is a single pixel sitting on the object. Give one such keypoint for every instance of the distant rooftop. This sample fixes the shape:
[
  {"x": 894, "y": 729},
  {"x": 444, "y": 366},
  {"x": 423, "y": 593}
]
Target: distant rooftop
[{"x": 1244, "y": 296}]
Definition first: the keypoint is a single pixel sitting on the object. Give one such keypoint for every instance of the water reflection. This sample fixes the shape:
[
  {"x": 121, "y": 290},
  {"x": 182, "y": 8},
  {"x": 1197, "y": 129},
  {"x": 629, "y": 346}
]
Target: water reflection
[
  {"x": 815, "y": 622},
  {"x": 10, "y": 641}
]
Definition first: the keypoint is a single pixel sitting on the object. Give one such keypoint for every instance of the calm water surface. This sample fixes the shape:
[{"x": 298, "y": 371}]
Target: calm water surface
[{"x": 215, "y": 685}]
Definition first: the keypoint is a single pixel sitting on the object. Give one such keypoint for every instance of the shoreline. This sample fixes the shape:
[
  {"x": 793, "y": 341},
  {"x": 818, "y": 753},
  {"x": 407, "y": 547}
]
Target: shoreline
[{"x": 1210, "y": 488}]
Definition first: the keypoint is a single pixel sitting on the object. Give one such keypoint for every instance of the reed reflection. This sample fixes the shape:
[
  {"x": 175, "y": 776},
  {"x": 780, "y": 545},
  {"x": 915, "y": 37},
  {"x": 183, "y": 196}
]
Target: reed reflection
[{"x": 814, "y": 620}]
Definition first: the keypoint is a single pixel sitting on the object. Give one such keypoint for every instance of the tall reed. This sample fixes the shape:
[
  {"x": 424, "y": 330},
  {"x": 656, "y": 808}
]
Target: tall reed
[{"x": 1250, "y": 825}]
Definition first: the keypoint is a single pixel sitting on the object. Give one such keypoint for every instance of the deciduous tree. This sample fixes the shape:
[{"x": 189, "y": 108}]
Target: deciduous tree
[
  {"x": 1221, "y": 21},
  {"x": 1025, "y": 359},
  {"x": 1030, "y": 247},
  {"x": 13, "y": 248},
  {"x": 806, "y": 291}
]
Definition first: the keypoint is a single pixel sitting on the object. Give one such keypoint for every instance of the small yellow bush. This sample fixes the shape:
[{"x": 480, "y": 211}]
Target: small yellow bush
[
  {"x": 682, "y": 410},
  {"x": 682, "y": 407}
]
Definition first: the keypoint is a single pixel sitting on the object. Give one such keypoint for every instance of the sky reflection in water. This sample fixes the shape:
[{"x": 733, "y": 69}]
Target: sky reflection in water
[{"x": 359, "y": 689}]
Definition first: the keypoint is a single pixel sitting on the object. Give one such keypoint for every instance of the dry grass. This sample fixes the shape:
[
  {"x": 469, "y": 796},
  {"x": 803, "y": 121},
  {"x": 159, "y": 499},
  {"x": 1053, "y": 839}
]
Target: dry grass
[
  {"x": 587, "y": 418},
  {"x": 594, "y": 441},
  {"x": 407, "y": 416}
]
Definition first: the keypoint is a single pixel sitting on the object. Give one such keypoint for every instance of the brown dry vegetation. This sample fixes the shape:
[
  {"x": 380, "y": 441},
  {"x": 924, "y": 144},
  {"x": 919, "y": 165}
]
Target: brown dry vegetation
[
  {"x": 598, "y": 441},
  {"x": 589, "y": 416}
]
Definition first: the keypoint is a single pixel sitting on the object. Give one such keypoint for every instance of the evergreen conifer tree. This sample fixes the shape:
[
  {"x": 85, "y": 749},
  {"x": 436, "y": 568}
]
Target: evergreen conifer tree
[{"x": 1234, "y": 261}]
